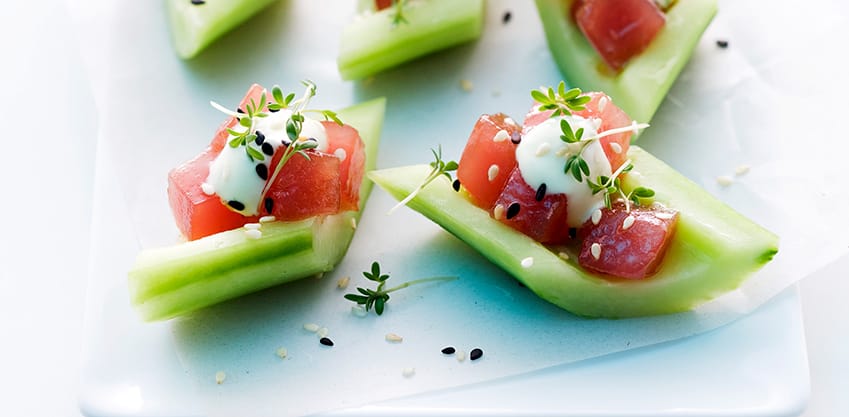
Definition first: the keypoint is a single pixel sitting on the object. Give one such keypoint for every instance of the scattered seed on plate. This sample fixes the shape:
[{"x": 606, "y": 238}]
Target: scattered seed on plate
[
  {"x": 343, "y": 282},
  {"x": 325, "y": 341},
  {"x": 476, "y": 354},
  {"x": 282, "y": 353},
  {"x": 392, "y": 337},
  {"x": 741, "y": 169},
  {"x": 528, "y": 262},
  {"x": 220, "y": 376},
  {"x": 408, "y": 372},
  {"x": 466, "y": 85},
  {"x": 311, "y": 327},
  {"x": 722, "y": 43},
  {"x": 460, "y": 355},
  {"x": 448, "y": 350},
  {"x": 505, "y": 18},
  {"x": 724, "y": 180},
  {"x": 322, "y": 332}
]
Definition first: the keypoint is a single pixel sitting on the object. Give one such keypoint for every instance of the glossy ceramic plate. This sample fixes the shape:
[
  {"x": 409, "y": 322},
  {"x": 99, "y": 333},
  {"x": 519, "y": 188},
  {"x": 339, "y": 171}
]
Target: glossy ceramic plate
[{"x": 538, "y": 359}]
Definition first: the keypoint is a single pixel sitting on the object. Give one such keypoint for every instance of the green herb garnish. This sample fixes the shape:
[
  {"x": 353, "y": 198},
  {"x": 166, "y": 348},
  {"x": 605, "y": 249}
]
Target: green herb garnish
[
  {"x": 378, "y": 297},
  {"x": 610, "y": 186},
  {"x": 562, "y": 101},
  {"x": 398, "y": 14},
  {"x": 440, "y": 168},
  {"x": 294, "y": 125}
]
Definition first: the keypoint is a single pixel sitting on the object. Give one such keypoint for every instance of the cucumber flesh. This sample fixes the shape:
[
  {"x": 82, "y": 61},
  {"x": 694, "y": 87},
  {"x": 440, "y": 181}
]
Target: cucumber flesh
[
  {"x": 172, "y": 281},
  {"x": 372, "y": 43},
  {"x": 642, "y": 85},
  {"x": 713, "y": 251},
  {"x": 194, "y": 27}
]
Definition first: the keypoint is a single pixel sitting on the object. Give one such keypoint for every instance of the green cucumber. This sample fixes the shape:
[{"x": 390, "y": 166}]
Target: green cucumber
[
  {"x": 195, "y": 26},
  {"x": 642, "y": 85},
  {"x": 175, "y": 280},
  {"x": 372, "y": 43},
  {"x": 713, "y": 251}
]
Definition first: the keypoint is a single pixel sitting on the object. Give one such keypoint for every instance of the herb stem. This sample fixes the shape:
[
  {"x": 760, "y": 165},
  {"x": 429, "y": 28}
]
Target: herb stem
[
  {"x": 225, "y": 110},
  {"x": 609, "y": 132},
  {"x": 434, "y": 174},
  {"x": 421, "y": 281}
]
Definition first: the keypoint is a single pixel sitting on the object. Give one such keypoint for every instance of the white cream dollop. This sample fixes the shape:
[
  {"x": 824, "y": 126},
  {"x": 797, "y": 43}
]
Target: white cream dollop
[
  {"x": 235, "y": 176},
  {"x": 542, "y": 155}
]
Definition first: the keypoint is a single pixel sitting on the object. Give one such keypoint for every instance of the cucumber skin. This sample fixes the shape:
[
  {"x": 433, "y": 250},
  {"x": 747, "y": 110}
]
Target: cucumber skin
[
  {"x": 168, "y": 282},
  {"x": 642, "y": 85},
  {"x": 371, "y": 44},
  {"x": 194, "y": 27},
  {"x": 713, "y": 251}
]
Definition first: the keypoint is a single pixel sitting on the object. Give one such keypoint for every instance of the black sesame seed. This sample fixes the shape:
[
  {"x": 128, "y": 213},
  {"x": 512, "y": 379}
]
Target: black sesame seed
[
  {"x": 313, "y": 139},
  {"x": 475, "y": 354},
  {"x": 325, "y": 341},
  {"x": 262, "y": 171},
  {"x": 513, "y": 210},
  {"x": 540, "y": 192},
  {"x": 516, "y": 137},
  {"x": 240, "y": 111},
  {"x": 506, "y": 17},
  {"x": 449, "y": 350},
  {"x": 269, "y": 205},
  {"x": 573, "y": 232},
  {"x": 260, "y": 138},
  {"x": 236, "y": 205},
  {"x": 722, "y": 43},
  {"x": 456, "y": 185},
  {"x": 198, "y": 2},
  {"x": 267, "y": 149}
]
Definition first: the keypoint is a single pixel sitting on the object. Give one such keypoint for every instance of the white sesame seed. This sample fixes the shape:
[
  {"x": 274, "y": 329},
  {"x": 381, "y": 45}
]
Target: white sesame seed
[
  {"x": 460, "y": 355},
  {"x": 595, "y": 250},
  {"x": 207, "y": 188},
  {"x": 501, "y": 136},
  {"x": 466, "y": 85},
  {"x": 492, "y": 172},
  {"x": 343, "y": 282},
  {"x": 563, "y": 255},
  {"x": 602, "y": 103},
  {"x": 510, "y": 121},
  {"x": 724, "y": 180},
  {"x": 628, "y": 222},
  {"x": 359, "y": 311},
  {"x": 543, "y": 149},
  {"x": 498, "y": 211},
  {"x": 408, "y": 372},
  {"x": 341, "y": 153},
  {"x": 596, "y": 122},
  {"x": 392, "y": 337},
  {"x": 596, "y": 217},
  {"x": 563, "y": 150},
  {"x": 253, "y": 233},
  {"x": 664, "y": 215},
  {"x": 615, "y": 147},
  {"x": 282, "y": 353},
  {"x": 311, "y": 327},
  {"x": 220, "y": 376},
  {"x": 528, "y": 262},
  {"x": 252, "y": 226},
  {"x": 354, "y": 223},
  {"x": 742, "y": 169},
  {"x": 322, "y": 332},
  {"x": 267, "y": 219}
]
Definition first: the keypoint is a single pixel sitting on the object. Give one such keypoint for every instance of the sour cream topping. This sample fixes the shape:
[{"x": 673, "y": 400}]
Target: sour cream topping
[
  {"x": 237, "y": 179},
  {"x": 542, "y": 155}
]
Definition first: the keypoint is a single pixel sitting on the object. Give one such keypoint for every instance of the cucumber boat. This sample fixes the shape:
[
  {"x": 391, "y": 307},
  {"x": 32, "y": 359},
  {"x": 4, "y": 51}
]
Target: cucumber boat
[
  {"x": 172, "y": 281},
  {"x": 640, "y": 87},
  {"x": 195, "y": 24},
  {"x": 380, "y": 39}
]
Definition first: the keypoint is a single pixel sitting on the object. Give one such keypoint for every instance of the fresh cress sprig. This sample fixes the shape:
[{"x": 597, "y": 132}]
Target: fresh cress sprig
[
  {"x": 379, "y": 296},
  {"x": 563, "y": 102},
  {"x": 397, "y": 15},
  {"x": 294, "y": 124},
  {"x": 440, "y": 168}
]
